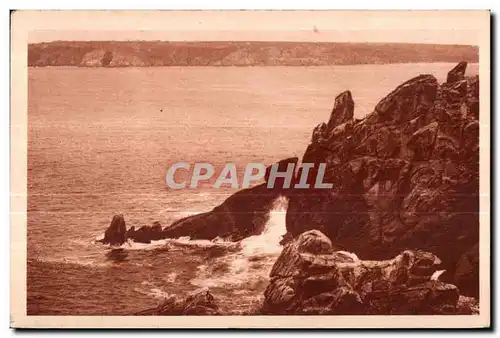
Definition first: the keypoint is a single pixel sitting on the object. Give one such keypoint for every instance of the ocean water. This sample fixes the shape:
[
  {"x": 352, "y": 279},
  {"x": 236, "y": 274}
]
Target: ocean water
[{"x": 100, "y": 141}]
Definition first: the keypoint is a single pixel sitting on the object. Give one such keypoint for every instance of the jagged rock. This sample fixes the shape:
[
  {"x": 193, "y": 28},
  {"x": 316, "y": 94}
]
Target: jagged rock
[
  {"x": 457, "y": 73},
  {"x": 115, "y": 234},
  {"x": 282, "y": 167},
  {"x": 429, "y": 298},
  {"x": 319, "y": 133},
  {"x": 422, "y": 141},
  {"x": 199, "y": 303},
  {"x": 242, "y": 214},
  {"x": 146, "y": 234},
  {"x": 342, "y": 111},
  {"x": 310, "y": 277},
  {"x": 130, "y": 232},
  {"x": 404, "y": 177},
  {"x": 467, "y": 306},
  {"x": 455, "y": 92},
  {"x": 409, "y": 100},
  {"x": 384, "y": 142}
]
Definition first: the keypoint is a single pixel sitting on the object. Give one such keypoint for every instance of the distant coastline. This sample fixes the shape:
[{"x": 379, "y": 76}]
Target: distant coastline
[{"x": 239, "y": 53}]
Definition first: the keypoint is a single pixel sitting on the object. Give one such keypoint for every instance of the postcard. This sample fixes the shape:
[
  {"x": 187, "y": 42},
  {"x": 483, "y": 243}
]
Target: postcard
[{"x": 250, "y": 169}]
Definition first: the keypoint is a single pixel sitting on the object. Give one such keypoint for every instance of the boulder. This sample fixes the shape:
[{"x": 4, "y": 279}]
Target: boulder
[
  {"x": 404, "y": 177},
  {"x": 311, "y": 277},
  {"x": 198, "y": 303},
  {"x": 115, "y": 234},
  {"x": 409, "y": 100},
  {"x": 457, "y": 73}
]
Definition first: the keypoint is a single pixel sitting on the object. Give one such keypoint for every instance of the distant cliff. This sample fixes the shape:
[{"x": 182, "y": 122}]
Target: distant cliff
[{"x": 158, "y": 53}]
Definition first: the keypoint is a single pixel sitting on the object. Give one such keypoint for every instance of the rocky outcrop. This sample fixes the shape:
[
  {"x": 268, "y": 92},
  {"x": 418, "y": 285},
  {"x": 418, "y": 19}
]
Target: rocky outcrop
[
  {"x": 146, "y": 234},
  {"x": 116, "y": 233},
  {"x": 311, "y": 277},
  {"x": 241, "y": 215},
  {"x": 457, "y": 73},
  {"x": 342, "y": 111},
  {"x": 281, "y": 167},
  {"x": 404, "y": 177},
  {"x": 199, "y": 303}
]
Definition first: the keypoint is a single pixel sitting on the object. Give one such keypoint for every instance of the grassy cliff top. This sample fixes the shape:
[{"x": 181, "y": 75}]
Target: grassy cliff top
[{"x": 245, "y": 53}]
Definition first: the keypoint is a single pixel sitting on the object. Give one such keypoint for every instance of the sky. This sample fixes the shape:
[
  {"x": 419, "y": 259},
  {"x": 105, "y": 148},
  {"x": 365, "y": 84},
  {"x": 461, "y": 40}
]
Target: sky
[
  {"x": 462, "y": 37},
  {"x": 441, "y": 27}
]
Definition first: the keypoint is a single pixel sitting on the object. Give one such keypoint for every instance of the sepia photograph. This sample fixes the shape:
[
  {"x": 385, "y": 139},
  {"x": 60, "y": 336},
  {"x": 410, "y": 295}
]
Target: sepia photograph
[{"x": 250, "y": 168}]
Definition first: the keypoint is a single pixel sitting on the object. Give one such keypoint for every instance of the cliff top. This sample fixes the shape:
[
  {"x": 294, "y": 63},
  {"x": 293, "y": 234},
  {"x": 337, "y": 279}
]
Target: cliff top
[{"x": 238, "y": 53}]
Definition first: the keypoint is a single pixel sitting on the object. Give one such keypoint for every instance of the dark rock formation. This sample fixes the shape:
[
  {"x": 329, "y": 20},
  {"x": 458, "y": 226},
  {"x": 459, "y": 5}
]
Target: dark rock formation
[
  {"x": 199, "y": 303},
  {"x": 146, "y": 234},
  {"x": 116, "y": 233},
  {"x": 404, "y": 177},
  {"x": 457, "y": 73},
  {"x": 310, "y": 277},
  {"x": 243, "y": 214},
  {"x": 282, "y": 168},
  {"x": 343, "y": 110},
  {"x": 106, "y": 59}
]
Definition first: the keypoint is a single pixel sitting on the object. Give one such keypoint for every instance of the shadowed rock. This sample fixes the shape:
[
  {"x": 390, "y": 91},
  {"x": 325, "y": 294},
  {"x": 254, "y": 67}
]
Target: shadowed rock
[
  {"x": 457, "y": 73},
  {"x": 282, "y": 168},
  {"x": 146, "y": 234},
  {"x": 408, "y": 101},
  {"x": 242, "y": 214},
  {"x": 404, "y": 177},
  {"x": 198, "y": 303},
  {"x": 342, "y": 111},
  {"x": 310, "y": 277},
  {"x": 115, "y": 234}
]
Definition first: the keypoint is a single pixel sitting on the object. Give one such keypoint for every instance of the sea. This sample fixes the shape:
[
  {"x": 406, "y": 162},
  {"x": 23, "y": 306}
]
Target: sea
[{"x": 100, "y": 141}]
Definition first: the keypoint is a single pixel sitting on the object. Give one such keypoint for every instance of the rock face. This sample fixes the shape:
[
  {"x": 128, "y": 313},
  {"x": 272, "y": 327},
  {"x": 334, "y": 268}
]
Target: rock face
[
  {"x": 310, "y": 277},
  {"x": 199, "y": 303},
  {"x": 146, "y": 234},
  {"x": 404, "y": 177},
  {"x": 243, "y": 214},
  {"x": 457, "y": 73},
  {"x": 279, "y": 182},
  {"x": 116, "y": 234},
  {"x": 342, "y": 111}
]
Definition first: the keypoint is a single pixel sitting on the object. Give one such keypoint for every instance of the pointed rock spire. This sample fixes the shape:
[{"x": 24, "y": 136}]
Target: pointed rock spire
[
  {"x": 457, "y": 73},
  {"x": 343, "y": 110}
]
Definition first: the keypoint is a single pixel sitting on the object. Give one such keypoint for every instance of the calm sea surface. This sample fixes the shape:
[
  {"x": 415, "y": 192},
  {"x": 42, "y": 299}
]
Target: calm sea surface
[{"x": 100, "y": 141}]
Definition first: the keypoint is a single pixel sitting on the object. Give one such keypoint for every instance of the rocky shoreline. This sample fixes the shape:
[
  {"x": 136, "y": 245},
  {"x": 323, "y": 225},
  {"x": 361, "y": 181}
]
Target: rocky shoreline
[{"x": 405, "y": 200}]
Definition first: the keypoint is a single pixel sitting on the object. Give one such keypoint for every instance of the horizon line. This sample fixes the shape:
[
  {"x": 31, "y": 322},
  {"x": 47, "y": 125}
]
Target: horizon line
[{"x": 262, "y": 41}]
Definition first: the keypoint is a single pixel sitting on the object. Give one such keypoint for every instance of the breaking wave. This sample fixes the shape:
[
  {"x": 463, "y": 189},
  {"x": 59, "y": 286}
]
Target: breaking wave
[
  {"x": 253, "y": 262},
  {"x": 246, "y": 263}
]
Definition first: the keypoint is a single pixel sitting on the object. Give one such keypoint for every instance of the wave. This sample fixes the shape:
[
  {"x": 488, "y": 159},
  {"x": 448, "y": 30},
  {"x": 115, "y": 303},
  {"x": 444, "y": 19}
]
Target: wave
[
  {"x": 82, "y": 261},
  {"x": 247, "y": 262},
  {"x": 252, "y": 263},
  {"x": 181, "y": 241}
]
